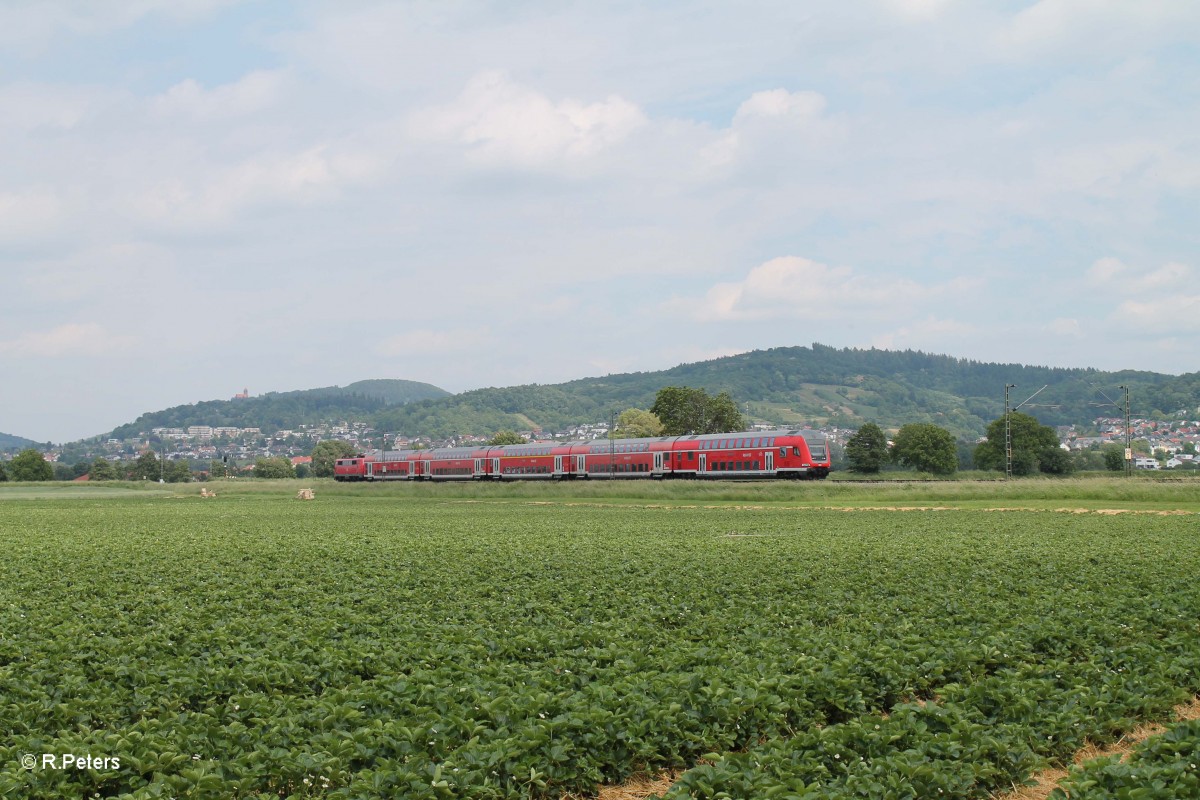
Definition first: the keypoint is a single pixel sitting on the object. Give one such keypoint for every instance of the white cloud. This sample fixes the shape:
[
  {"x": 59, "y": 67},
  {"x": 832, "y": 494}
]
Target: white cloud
[
  {"x": 28, "y": 214},
  {"x": 793, "y": 287},
  {"x": 106, "y": 274},
  {"x": 1164, "y": 314},
  {"x": 780, "y": 103},
  {"x": 1101, "y": 27},
  {"x": 1113, "y": 274},
  {"x": 424, "y": 342},
  {"x": 1104, "y": 270},
  {"x": 249, "y": 94},
  {"x": 1156, "y": 300},
  {"x": 71, "y": 339},
  {"x": 771, "y": 123},
  {"x": 1064, "y": 326},
  {"x": 200, "y": 200},
  {"x": 33, "y": 106},
  {"x": 921, "y": 9},
  {"x": 29, "y": 27},
  {"x": 503, "y": 123},
  {"x": 923, "y": 332}
]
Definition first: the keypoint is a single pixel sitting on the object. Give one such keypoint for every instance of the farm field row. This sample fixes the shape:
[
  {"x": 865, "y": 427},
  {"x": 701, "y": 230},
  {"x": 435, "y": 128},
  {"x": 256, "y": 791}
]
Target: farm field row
[
  {"x": 432, "y": 645},
  {"x": 1142, "y": 492}
]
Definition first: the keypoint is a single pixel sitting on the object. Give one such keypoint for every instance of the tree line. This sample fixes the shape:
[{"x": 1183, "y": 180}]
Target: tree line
[{"x": 927, "y": 448}]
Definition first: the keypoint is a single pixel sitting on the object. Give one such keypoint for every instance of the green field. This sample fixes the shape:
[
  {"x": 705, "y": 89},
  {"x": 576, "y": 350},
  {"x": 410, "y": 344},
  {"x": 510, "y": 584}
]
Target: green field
[{"x": 772, "y": 640}]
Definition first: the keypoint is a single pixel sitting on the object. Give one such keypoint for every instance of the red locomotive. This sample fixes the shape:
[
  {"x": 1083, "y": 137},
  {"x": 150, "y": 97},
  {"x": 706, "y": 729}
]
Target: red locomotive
[{"x": 761, "y": 454}]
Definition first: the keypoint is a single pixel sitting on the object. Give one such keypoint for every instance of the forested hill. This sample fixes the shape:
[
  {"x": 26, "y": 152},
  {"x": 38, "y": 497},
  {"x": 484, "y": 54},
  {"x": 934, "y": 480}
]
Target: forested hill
[
  {"x": 10, "y": 442},
  {"x": 287, "y": 410},
  {"x": 813, "y": 386},
  {"x": 816, "y": 385}
]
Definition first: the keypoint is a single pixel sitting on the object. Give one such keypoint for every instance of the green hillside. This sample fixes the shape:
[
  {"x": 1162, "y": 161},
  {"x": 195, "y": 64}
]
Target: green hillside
[
  {"x": 285, "y": 410},
  {"x": 10, "y": 442},
  {"x": 817, "y": 386},
  {"x": 811, "y": 386}
]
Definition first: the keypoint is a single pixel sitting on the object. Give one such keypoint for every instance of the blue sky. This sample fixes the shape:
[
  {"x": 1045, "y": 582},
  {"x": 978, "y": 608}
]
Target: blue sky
[{"x": 203, "y": 195}]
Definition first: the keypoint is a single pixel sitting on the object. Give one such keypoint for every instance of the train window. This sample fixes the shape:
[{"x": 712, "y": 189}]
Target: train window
[{"x": 796, "y": 451}]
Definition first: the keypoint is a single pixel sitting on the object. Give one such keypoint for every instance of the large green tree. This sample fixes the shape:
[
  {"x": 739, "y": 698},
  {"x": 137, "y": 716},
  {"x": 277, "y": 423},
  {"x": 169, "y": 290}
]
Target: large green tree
[
  {"x": 3, "y": 473},
  {"x": 274, "y": 467},
  {"x": 29, "y": 465},
  {"x": 102, "y": 470},
  {"x": 1030, "y": 442},
  {"x": 147, "y": 467},
  {"x": 684, "y": 409},
  {"x": 505, "y": 437},
  {"x": 637, "y": 423},
  {"x": 926, "y": 448},
  {"x": 325, "y": 454},
  {"x": 1114, "y": 457},
  {"x": 867, "y": 449},
  {"x": 179, "y": 471}
]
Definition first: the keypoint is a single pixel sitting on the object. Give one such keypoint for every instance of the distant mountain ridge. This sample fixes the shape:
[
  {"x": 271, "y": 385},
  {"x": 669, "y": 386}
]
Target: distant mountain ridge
[
  {"x": 287, "y": 410},
  {"x": 812, "y": 386},
  {"x": 10, "y": 442},
  {"x": 815, "y": 386}
]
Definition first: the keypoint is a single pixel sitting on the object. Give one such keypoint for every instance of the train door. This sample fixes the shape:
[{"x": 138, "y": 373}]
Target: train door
[
  {"x": 580, "y": 466},
  {"x": 770, "y": 462},
  {"x": 558, "y": 466},
  {"x": 479, "y": 468},
  {"x": 496, "y": 467},
  {"x": 658, "y": 462},
  {"x": 370, "y": 470},
  {"x": 703, "y": 463}
]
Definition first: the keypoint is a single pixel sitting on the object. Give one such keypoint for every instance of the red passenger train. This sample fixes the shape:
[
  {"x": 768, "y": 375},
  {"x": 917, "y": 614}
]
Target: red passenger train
[{"x": 761, "y": 454}]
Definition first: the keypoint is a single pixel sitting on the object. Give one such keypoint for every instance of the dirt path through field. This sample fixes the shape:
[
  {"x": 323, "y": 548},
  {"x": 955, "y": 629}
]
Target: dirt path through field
[
  {"x": 642, "y": 786},
  {"x": 1048, "y": 780}
]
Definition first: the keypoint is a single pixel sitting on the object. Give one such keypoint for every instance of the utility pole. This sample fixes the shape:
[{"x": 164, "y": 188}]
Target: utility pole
[
  {"x": 612, "y": 443},
  {"x": 1128, "y": 435},
  {"x": 1128, "y": 460},
  {"x": 1007, "y": 433},
  {"x": 1008, "y": 425}
]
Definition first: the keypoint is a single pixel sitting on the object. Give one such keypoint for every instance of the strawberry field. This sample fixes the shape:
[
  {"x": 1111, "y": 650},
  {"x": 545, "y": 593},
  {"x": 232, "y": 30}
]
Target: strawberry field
[{"x": 398, "y": 645}]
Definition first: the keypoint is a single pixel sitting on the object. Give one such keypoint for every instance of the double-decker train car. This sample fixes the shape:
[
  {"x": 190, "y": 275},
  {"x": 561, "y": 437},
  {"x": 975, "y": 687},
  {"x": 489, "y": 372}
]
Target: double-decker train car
[{"x": 759, "y": 454}]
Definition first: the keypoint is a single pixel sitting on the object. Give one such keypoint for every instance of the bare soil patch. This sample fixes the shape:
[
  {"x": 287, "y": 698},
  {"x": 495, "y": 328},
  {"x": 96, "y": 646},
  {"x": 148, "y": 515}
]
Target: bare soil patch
[{"x": 1046, "y": 781}]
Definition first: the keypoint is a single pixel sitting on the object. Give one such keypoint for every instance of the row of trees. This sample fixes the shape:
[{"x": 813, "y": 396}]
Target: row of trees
[
  {"x": 920, "y": 446},
  {"x": 928, "y": 448},
  {"x": 30, "y": 465},
  {"x": 677, "y": 410}
]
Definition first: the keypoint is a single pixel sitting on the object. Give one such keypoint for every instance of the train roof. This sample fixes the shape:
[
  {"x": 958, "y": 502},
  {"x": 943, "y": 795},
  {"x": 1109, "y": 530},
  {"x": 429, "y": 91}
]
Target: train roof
[
  {"x": 603, "y": 444},
  {"x": 807, "y": 433}
]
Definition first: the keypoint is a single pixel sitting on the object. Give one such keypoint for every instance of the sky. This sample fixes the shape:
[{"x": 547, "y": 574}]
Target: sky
[{"x": 201, "y": 196}]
